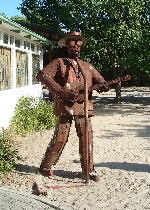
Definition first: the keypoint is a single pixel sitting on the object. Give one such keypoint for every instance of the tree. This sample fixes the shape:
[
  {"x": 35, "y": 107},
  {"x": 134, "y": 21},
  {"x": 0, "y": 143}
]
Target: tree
[
  {"x": 117, "y": 31},
  {"x": 17, "y": 17}
]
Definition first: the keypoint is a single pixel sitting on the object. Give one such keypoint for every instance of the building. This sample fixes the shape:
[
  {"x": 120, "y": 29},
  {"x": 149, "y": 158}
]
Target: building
[{"x": 21, "y": 57}]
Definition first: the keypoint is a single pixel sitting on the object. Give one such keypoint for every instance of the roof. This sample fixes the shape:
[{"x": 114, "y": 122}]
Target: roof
[
  {"x": 24, "y": 32},
  {"x": 42, "y": 30}
]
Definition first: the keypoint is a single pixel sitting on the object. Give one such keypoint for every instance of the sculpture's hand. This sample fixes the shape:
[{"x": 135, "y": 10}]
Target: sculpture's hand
[
  {"x": 72, "y": 92},
  {"x": 100, "y": 86},
  {"x": 103, "y": 88},
  {"x": 67, "y": 95}
]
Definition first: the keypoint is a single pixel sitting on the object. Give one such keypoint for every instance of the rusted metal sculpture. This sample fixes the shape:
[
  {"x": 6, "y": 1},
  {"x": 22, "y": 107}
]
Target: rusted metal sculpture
[{"x": 71, "y": 81}]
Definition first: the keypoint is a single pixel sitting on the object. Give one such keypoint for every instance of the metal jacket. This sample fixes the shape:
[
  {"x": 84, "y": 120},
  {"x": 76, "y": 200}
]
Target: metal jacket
[{"x": 64, "y": 73}]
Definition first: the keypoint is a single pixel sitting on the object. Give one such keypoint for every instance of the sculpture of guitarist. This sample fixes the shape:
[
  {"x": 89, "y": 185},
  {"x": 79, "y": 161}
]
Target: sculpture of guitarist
[{"x": 64, "y": 79}]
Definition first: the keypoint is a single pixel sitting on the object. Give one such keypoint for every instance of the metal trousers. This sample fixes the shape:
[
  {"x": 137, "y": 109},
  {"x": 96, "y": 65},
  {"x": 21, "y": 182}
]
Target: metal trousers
[{"x": 60, "y": 139}]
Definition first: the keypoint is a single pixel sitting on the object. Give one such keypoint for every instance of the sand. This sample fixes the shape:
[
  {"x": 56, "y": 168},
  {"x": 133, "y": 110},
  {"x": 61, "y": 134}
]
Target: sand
[{"x": 121, "y": 156}]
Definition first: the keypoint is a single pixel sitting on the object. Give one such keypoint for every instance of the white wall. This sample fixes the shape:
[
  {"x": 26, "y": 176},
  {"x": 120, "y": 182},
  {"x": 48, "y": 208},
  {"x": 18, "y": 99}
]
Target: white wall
[{"x": 8, "y": 100}]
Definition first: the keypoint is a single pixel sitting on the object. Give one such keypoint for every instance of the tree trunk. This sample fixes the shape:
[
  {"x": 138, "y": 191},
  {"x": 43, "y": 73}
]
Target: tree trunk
[
  {"x": 117, "y": 72},
  {"x": 117, "y": 86},
  {"x": 118, "y": 92}
]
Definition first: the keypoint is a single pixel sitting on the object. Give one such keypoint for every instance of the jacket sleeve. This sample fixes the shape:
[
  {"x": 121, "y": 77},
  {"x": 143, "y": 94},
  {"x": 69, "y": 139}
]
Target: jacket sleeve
[
  {"x": 98, "y": 79},
  {"x": 46, "y": 77}
]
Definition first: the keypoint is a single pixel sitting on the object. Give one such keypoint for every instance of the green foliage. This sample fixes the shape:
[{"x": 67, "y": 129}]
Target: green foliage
[
  {"x": 17, "y": 17},
  {"x": 8, "y": 156},
  {"x": 117, "y": 31},
  {"x": 30, "y": 115}
]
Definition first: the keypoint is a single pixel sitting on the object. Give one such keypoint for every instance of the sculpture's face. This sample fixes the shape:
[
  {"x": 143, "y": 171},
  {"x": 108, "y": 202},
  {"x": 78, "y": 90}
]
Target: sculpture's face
[{"x": 74, "y": 47}]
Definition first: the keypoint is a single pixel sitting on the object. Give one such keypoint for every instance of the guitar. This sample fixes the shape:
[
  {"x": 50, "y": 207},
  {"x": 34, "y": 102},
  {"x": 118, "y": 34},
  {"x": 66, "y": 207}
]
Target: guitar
[{"x": 110, "y": 82}]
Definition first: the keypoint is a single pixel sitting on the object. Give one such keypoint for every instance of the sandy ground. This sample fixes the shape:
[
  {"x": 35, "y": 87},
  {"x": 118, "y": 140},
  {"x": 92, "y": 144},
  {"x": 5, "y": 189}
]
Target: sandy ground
[{"x": 121, "y": 156}]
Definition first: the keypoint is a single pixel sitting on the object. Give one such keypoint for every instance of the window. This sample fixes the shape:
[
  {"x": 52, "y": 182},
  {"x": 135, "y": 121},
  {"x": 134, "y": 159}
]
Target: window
[
  {"x": 37, "y": 48},
  {"x": 5, "y": 73},
  {"x": 32, "y": 47},
  {"x": 21, "y": 69},
  {"x": 26, "y": 45},
  {"x": 17, "y": 42},
  {"x": 11, "y": 40},
  {"x": 35, "y": 68},
  {"x": 5, "y": 38}
]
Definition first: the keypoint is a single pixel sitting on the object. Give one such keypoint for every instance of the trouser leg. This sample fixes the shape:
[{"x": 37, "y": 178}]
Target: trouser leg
[
  {"x": 80, "y": 128},
  {"x": 57, "y": 143}
]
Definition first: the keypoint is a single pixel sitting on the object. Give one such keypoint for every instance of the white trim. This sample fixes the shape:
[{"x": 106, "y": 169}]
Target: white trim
[
  {"x": 30, "y": 70},
  {"x": 1, "y": 37},
  {"x": 13, "y": 66},
  {"x": 41, "y": 61},
  {"x": 22, "y": 39}
]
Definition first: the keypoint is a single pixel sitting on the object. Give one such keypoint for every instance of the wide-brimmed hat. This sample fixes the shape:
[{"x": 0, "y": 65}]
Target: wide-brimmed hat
[{"x": 71, "y": 36}]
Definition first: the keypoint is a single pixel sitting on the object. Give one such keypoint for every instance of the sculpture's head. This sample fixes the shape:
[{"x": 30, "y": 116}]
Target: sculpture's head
[{"x": 73, "y": 40}]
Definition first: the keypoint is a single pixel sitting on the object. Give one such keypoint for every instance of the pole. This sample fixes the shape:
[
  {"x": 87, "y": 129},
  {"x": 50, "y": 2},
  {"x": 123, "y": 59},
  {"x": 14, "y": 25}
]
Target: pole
[{"x": 86, "y": 119}]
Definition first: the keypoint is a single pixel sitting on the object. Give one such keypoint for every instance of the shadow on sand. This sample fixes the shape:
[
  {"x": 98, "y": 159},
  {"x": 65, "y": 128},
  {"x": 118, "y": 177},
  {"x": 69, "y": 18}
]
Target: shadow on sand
[
  {"x": 125, "y": 166},
  {"x": 26, "y": 169},
  {"x": 104, "y": 105}
]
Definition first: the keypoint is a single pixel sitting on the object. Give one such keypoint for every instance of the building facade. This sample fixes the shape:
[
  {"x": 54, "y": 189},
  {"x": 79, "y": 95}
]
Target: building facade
[{"x": 21, "y": 57}]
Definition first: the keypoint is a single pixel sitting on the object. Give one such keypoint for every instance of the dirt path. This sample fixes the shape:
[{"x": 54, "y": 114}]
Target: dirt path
[{"x": 121, "y": 156}]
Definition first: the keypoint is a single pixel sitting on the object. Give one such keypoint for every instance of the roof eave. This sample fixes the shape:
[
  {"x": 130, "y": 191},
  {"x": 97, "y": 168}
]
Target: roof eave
[{"x": 27, "y": 33}]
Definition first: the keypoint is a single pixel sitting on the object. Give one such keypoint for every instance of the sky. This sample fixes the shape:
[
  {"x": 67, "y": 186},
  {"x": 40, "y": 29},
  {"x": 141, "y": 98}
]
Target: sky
[{"x": 9, "y": 7}]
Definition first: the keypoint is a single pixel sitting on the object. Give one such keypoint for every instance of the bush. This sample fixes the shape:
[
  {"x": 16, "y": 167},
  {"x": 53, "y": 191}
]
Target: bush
[
  {"x": 32, "y": 114},
  {"x": 8, "y": 156}
]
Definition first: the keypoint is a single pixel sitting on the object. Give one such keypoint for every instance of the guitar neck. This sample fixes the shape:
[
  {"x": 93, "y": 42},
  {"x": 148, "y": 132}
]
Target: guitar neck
[{"x": 110, "y": 82}]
